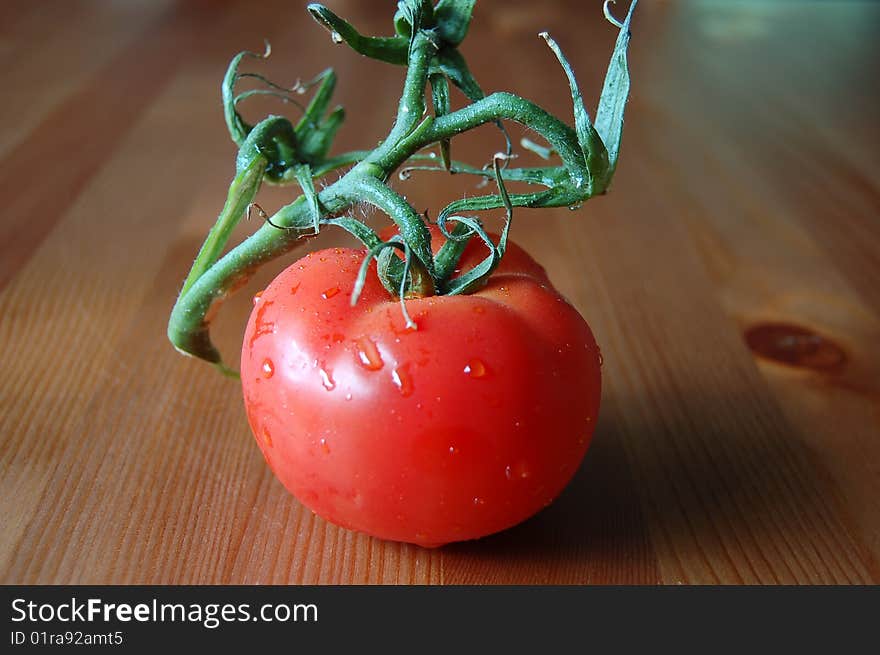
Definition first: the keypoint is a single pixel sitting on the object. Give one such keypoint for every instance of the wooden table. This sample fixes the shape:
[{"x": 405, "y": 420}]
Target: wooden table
[{"x": 732, "y": 278}]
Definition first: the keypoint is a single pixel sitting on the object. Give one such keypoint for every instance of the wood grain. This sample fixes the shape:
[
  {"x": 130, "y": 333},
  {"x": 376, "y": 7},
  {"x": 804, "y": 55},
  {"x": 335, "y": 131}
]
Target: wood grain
[{"x": 746, "y": 200}]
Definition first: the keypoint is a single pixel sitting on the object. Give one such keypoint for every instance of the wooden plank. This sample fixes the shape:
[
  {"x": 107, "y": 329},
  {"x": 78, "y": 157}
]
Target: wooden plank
[
  {"x": 746, "y": 197},
  {"x": 57, "y": 299},
  {"x": 764, "y": 227},
  {"x": 43, "y": 61},
  {"x": 46, "y": 172}
]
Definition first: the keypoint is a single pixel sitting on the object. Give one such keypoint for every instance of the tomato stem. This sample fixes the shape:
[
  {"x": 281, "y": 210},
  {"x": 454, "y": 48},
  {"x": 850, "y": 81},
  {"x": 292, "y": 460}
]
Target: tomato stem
[{"x": 277, "y": 152}]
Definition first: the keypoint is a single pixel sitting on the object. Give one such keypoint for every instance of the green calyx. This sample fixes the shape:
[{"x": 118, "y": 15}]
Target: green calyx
[{"x": 277, "y": 151}]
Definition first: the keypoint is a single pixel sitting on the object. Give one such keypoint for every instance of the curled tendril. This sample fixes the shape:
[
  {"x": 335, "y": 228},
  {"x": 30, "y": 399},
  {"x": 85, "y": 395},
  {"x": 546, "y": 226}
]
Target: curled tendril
[
  {"x": 508, "y": 144},
  {"x": 505, "y": 197},
  {"x": 474, "y": 225},
  {"x": 466, "y": 228},
  {"x": 404, "y": 281},
  {"x": 373, "y": 253},
  {"x": 607, "y": 11},
  {"x": 274, "y": 85},
  {"x": 499, "y": 180},
  {"x": 302, "y": 87},
  {"x": 284, "y": 96},
  {"x": 255, "y": 207}
]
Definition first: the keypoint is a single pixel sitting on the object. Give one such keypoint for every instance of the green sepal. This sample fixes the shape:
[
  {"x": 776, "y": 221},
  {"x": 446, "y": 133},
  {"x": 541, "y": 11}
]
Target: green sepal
[
  {"x": 453, "y": 18},
  {"x": 303, "y": 175},
  {"x": 479, "y": 274},
  {"x": 476, "y": 277},
  {"x": 440, "y": 98},
  {"x": 388, "y": 270},
  {"x": 237, "y": 126},
  {"x": 314, "y": 113},
  {"x": 452, "y": 64},
  {"x": 389, "y": 266},
  {"x": 391, "y": 49},
  {"x": 357, "y": 229},
  {"x": 612, "y": 102},
  {"x": 595, "y": 154},
  {"x": 316, "y": 143},
  {"x": 410, "y": 12},
  {"x": 374, "y": 244}
]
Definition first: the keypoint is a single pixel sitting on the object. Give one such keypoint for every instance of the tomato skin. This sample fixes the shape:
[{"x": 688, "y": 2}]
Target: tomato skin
[{"x": 461, "y": 428}]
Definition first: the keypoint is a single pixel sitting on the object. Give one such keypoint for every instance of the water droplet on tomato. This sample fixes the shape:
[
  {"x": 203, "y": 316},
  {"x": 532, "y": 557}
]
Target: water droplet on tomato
[
  {"x": 368, "y": 354},
  {"x": 479, "y": 501},
  {"x": 348, "y": 396},
  {"x": 268, "y": 368},
  {"x": 453, "y": 450},
  {"x": 475, "y": 368},
  {"x": 407, "y": 328},
  {"x": 521, "y": 470},
  {"x": 257, "y": 297},
  {"x": 325, "y": 447},
  {"x": 518, "y": 471},
  {"x": 402, "y": 379},
  {"x": 601, "y": 359},
  {"x": 329, "y": 293},
  {"x": 327, "y": 379}
]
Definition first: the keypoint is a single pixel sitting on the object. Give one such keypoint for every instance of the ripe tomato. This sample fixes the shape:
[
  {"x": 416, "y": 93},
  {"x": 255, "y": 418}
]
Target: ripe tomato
[{"x": 460, "y": 428}]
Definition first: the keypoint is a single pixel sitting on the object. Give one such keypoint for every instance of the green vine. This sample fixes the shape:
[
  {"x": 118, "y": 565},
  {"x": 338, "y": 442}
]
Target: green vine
[{"x": 275, "y": 151}]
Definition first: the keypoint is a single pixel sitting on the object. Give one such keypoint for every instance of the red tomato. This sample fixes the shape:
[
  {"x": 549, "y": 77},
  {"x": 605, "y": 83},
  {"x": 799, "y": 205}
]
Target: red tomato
[{"x": 463, "y": 427}]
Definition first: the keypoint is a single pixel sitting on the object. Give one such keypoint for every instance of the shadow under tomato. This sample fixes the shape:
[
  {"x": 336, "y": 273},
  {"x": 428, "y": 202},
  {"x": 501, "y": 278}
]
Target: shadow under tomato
[
  {"x": 720, "y": 478},
  {"x": 592, "y": 533}
]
